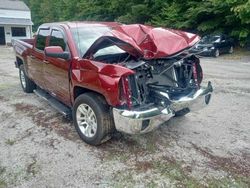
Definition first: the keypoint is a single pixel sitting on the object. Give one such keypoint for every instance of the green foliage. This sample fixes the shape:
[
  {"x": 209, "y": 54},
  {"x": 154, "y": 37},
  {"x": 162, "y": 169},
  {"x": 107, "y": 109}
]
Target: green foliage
[{"x": 202, "y": 16}]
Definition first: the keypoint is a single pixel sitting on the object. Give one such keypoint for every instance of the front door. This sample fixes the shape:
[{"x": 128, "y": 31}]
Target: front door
[
  {"x": 56, "y": 70},
  {"x": 2, "y": 36},
  {"x": 223, "y": 44}
]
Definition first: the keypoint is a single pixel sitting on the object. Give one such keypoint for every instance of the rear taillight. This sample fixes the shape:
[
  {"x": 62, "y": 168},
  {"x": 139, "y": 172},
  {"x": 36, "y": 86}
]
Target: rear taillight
[{"x": 125, "y": 92}]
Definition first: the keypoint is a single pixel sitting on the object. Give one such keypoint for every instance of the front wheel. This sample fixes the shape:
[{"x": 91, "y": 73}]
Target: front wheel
[
  {"x": 27, "y": 84},
  {"x": 92, "y": 118},
  {"x": 217, "y": 52},
  {"x": 231, "y": 50}
]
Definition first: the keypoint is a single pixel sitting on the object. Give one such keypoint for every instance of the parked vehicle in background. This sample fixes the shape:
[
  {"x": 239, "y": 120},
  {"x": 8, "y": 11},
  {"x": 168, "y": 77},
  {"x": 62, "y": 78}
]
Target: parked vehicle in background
[
  {"x": 214, "y": 45},
  {"x": 109, "y": 76}
]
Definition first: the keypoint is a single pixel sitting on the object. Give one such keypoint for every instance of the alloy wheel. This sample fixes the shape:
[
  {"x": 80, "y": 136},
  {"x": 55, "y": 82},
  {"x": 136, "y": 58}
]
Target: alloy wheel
[
  {"x": 22, "y": 78},
  {"x": 86, "y": 120},
  {"x": 217, "y": 53},
  {"x": 231, "y": 50}
]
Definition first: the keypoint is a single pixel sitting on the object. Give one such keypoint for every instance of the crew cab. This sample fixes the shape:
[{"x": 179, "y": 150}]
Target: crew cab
[{"x": 113, "y": 77}]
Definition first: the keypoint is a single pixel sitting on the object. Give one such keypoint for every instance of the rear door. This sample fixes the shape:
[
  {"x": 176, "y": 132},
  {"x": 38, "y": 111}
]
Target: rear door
[
  {"x": 35, "y": 60},
  {"x": 56, "y": 70}
]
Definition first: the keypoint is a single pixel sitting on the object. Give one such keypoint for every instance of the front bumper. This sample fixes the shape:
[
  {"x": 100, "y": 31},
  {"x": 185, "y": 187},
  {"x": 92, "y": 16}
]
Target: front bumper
[{"x": 146, "y": 120}]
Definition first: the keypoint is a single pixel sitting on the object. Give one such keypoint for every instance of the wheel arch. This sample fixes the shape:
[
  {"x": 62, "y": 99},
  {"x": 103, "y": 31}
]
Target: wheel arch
[
  {"x": 78, "y": 90},
  {"x": 19, "y": 61}
]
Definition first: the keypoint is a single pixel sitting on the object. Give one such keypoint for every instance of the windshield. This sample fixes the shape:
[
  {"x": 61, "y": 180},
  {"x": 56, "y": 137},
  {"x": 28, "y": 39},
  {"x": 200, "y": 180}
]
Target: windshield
[
  {"x": 210, "y": 39},
  {"x": 84, "y": 37}
]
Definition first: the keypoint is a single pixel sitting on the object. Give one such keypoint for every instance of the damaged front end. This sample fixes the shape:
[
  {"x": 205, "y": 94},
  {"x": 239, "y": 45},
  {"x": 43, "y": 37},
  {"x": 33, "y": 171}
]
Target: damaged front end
[
  {"x": 159, "y": 90},
  {"x": 163, "y": 85}
]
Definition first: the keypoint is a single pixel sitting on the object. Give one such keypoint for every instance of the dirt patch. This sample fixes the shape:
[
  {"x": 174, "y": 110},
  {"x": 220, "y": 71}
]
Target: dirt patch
[
  {"x": 32, "y": 167},
  {"x": 232, "y": 165},
  {"x": 49, "y": 121},
  {"x": 3, "y": 99},
  {"x": 143, "y": 166}
]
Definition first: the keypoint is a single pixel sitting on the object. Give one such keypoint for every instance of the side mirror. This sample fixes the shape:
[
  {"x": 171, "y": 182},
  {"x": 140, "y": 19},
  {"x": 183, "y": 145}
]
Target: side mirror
[{"x": 56, "y": 52}]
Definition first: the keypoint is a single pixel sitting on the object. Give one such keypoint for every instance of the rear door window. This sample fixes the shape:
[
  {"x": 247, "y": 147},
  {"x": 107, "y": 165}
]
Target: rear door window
[
  {"x": 41, "y": 39},
  {"x": 57, "y": 39}
]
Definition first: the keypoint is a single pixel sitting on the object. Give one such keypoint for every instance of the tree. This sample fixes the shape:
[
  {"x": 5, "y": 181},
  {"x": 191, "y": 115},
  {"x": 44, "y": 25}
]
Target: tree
[{"x": 202, "y": 16}]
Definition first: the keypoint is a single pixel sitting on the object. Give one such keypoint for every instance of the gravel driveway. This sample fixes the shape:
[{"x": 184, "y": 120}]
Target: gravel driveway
[{"x": 210, "y": 148}]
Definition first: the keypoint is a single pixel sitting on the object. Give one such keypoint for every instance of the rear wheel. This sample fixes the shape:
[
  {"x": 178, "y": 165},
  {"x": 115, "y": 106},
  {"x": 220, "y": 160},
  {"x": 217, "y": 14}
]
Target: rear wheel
[
  {"x": 27, "y": 84},
  {"x": 92, "y": 118},
  {"x": 217, "y": 52}
]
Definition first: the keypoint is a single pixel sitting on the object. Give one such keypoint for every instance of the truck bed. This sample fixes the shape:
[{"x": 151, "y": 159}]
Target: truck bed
[{"x": 21, "y": 45}]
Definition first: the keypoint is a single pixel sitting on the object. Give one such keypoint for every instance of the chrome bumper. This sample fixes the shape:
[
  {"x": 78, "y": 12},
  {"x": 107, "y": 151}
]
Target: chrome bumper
[{"x": 143, "y": 121}]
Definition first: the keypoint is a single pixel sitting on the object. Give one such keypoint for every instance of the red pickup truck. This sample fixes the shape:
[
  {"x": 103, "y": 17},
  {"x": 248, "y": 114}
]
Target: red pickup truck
[{"x": 112, "y": 77}]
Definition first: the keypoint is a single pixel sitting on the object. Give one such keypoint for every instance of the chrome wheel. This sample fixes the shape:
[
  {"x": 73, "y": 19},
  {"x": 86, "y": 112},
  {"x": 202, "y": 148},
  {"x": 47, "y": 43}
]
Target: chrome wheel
[
  {"x": 231, "y": 50},
  {"x": 22, "y": 78},
  {"x": 86, "y": 120}
]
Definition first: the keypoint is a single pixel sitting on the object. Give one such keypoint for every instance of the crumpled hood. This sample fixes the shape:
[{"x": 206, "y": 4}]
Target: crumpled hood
[{"x": 145, "y": 41}]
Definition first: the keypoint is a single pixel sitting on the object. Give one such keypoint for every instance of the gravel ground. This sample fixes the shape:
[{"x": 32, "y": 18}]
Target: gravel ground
[{"x": 209, "y": 148}]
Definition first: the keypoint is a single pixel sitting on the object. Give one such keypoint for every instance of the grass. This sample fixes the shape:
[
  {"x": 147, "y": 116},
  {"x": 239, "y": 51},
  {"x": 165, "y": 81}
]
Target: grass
[
  {"x": 124, "y": 180},
  {"x": 5, "y": 86},
  {"x": 161, "y": 172},
  {"x": 3, "y": 184},
  {"x": 169, "y": 172},
  {"x": 10, "y": 142},
  {"x": 172, "y": 170},
  {"x": 12, "y": 178},
  {"x": 32, "y": 168},
  {"x": 236, "y": 182}
]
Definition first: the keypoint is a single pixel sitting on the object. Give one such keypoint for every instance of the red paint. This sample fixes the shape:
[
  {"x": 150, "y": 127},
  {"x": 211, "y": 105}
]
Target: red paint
[
  {"x": 155, "y": 42},
  {"x": 61, "y": 77}
]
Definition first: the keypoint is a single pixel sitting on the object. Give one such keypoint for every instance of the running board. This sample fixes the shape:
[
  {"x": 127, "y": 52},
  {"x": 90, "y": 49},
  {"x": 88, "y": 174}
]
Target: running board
[{"x": 63, "y": 109}]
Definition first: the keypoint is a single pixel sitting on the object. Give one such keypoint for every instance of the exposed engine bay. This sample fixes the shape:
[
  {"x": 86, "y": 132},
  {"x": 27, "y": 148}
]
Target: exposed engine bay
[{"x": 177, "y": 76}]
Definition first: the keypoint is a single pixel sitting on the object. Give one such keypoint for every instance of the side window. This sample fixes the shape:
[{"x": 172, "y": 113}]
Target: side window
[
  {"x": 41, "y": 39},
  {"x": 57, "y": 39}
]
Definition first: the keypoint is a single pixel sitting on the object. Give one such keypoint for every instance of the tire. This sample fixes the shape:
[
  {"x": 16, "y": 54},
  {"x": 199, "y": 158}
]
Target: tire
[
  {"x": 216, "y": 52},
  {"x": 98, "y": 125},
  {"x": 231, "y": 50},
  {"x": 27, "y": 84}
]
